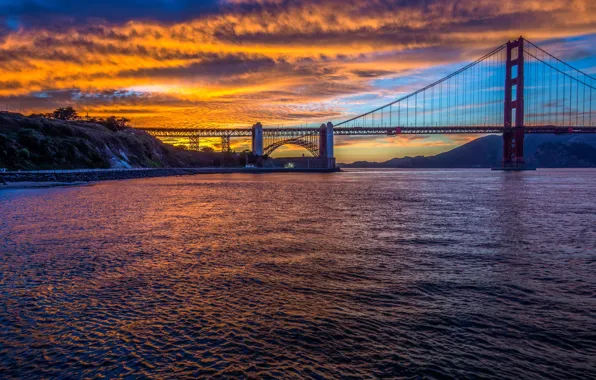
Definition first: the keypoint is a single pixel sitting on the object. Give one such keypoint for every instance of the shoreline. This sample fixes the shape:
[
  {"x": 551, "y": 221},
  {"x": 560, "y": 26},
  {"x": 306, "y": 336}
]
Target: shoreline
[
  {"x": 57, "y": 178},
  {"x": 40, "y": 185}
]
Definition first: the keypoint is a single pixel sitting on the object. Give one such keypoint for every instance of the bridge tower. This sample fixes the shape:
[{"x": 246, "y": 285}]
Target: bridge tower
[
  {"x": 513, "y": 135},
  {"x": 323, "y": 141},
  {"x": 326, "y": 144},
  {"x": 257, "y": 139},
  {"x": 329, "y": 147}
]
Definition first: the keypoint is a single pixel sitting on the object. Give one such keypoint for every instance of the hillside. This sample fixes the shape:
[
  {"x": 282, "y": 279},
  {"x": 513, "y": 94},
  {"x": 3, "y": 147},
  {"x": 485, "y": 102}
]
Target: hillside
[
  {"x": 555, "y": 151},
  {"x": 29, "y": 143}
]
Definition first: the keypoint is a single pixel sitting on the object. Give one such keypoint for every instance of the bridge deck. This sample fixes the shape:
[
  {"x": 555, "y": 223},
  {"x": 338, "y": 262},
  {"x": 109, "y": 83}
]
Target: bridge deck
[{"x": 359, "y": 131}]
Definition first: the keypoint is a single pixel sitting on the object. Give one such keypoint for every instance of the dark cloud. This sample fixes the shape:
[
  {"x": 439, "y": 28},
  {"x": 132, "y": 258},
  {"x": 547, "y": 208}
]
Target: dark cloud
[
  {"x": 10, "y": 85},
  {"x": 316, "y": 115},
  {"x": 40, "y": 12},
  {"x": 372, "y": 73},
  {"x": 48, "y": 100},
  {"x": 211, "y": 67}
]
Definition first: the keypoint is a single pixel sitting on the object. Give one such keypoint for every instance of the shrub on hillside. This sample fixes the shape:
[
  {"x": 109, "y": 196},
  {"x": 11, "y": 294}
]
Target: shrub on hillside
[{"x": 65, "y": 113}]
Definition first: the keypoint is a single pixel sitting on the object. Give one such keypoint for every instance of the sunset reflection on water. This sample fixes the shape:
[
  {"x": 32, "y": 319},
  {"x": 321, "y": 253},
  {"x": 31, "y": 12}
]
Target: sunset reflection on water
[{"x": 363, "y": 273}]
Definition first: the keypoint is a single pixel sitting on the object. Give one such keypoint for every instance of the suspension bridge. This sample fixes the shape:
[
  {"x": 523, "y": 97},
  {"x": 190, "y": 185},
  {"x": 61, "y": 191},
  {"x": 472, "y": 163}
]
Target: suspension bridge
[{"x": 515, "y": 89}]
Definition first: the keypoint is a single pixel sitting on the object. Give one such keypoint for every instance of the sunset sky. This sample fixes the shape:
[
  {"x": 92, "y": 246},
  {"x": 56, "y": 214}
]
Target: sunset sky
[{"x": 292, "y": 62}]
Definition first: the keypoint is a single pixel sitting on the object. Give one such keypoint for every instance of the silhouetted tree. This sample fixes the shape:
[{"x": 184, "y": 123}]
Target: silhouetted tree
[
  {"x": 207, "y": 149},
  {"x": 65, "y": 113},
  {"x": 116, "y": 123},
  {"x": 93, "y": 119}
]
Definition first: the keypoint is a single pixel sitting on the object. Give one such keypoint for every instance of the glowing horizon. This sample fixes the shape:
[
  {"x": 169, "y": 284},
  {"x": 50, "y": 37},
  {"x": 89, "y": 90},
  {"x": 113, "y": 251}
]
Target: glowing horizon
[{"x": 236, "y": 62}]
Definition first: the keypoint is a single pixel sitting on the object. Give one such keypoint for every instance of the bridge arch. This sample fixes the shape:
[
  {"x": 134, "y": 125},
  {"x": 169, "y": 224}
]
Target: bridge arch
[{"x": 309, "y": 145}]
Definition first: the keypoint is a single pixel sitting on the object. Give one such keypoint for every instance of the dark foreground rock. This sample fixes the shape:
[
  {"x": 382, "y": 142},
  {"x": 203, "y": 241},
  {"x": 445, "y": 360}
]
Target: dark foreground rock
[{"x": 33, "y": 143}]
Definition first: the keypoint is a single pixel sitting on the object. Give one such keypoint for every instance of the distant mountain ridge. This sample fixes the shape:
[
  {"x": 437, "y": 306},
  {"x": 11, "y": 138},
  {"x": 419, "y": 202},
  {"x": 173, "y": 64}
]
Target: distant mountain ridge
[{"x": 554, "y": 151}]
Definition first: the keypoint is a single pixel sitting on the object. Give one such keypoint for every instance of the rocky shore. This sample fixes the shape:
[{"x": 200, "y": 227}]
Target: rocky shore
[
  {"x": 91, "y": 176},
  {"x": 107, "y": 175}
]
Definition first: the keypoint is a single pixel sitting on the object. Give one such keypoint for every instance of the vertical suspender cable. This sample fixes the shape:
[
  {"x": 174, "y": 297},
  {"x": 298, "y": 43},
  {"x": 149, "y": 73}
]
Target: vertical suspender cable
[
  {"x": 576, "y": 98},
  {"x": 585, "y": 101},
  {"x": 550, "y": 85},
  {"x": 570, "y": 98},
  {"x": 543, "y": 105},
  {"x": 423, "y": 108},
  {"x": 557, "y": 93}
]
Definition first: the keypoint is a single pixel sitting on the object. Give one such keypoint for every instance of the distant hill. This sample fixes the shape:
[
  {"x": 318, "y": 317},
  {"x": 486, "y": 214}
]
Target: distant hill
[
  {"x": 28, "y": 143},
  {"x": 555, "y": 151}
]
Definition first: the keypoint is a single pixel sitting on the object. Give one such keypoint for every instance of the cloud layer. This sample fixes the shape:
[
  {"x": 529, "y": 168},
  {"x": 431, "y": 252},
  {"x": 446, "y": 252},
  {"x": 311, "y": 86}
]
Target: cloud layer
[{"x": 234, "y": 62}]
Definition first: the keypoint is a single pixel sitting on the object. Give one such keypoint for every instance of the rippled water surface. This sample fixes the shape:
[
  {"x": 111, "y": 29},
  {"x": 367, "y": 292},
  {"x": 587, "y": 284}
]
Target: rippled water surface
[{"x": 363, "y": 273}]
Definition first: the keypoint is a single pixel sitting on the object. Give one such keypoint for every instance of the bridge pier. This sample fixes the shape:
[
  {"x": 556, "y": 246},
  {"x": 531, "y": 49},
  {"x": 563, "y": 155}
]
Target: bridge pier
[
  {"x": 513, "y": 135},
  {"x": 329, "y": 151},
  {"x": 257, "y": 139},
  {"x": 225, "y": 144},
  {"x": 326, "y": 144},
  {"x": 322, "y": 141},
  {"x": 194, "y": 142}
]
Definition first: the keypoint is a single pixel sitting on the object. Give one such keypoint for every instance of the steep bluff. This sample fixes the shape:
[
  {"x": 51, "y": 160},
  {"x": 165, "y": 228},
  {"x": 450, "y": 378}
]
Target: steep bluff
[{"x": 29, "y": 143}]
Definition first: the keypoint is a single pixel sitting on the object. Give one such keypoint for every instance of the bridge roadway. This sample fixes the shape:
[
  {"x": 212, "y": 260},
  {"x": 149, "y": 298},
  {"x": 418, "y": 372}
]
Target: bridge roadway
[
  {"x": 468, "y": 98},
  {"x": 319, "y": 141},
  {"x": 358, "y": 131}
]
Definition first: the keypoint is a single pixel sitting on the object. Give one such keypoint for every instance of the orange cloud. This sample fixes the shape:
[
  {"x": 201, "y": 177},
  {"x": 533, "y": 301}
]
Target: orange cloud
[{"x": 272, "y": 61}]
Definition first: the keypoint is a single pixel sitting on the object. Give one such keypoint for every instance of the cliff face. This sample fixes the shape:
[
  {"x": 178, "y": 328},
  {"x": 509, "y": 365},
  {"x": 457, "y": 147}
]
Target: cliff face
[{"x": 38, "y": 143}]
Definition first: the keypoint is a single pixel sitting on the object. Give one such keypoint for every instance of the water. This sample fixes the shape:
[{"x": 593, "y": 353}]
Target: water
[{"x": 370, "y": 274}]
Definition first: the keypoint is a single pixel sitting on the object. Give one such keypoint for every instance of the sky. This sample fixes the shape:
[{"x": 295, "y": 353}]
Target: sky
[{"x": 183, "y": 63}]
